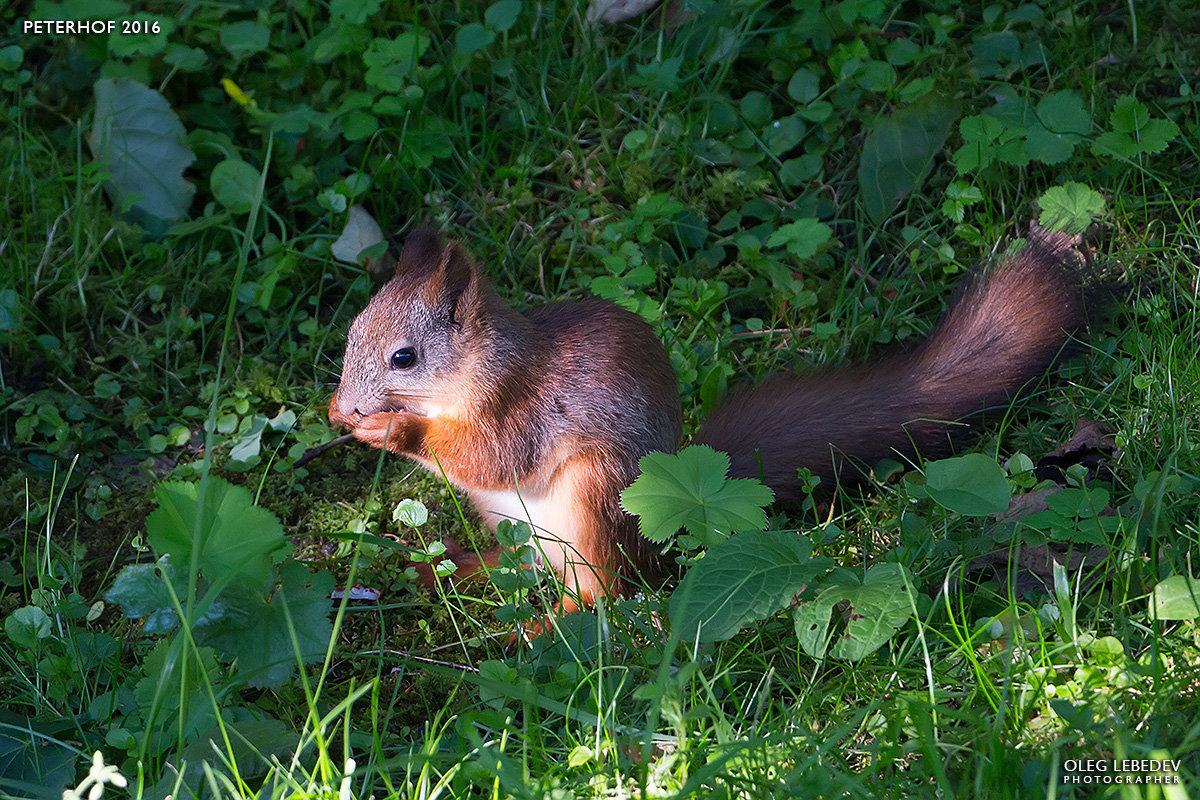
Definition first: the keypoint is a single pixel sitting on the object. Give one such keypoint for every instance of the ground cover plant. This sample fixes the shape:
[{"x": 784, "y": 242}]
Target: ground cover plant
[{"x": 194, "y": 607}]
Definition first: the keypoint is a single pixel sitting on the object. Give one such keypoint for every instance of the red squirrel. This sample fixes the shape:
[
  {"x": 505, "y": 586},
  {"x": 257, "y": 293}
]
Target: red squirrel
[{"x": 543, "y": 416}]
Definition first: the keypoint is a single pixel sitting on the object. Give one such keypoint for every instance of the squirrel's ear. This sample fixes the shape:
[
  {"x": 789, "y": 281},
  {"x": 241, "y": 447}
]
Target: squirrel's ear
[
  {"x": 450, "y": 280},
  {"x": 421, "y": 252}
]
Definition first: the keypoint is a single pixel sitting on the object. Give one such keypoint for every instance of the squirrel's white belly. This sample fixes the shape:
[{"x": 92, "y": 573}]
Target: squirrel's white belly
[{"x": 549, "y": 515}]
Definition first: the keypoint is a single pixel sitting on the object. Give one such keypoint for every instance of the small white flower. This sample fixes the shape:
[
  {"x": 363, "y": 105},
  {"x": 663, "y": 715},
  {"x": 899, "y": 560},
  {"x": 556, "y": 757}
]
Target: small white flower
[{"x": 347, "y": 771}]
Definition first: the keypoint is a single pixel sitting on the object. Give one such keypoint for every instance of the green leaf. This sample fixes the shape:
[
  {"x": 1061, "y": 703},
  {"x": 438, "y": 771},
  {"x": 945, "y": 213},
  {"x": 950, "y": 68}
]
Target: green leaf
[
  {"x": 37, "y": 759},
  {"x": 503, "y": 15},
  {"x": 27, "y": 626},
  {"x": 141, "y": 590},
  {"x": 804, "y": 86},
  {"x": 184, "y": 58},
  {"x": 472, "y": 37},
  {"x": 249, "y": 444},
  {"x": 245, "y": 38},
  {"x": 268, "y": 637},
  {"x": 802, "y": 237},
  {"x": 235, "y": 185},
  {"x": 972, "y": 485},
  {"x": 1134, "y": 132},
  {"x": 1069, "y": 208},
  {"x": 1062, "y": 123},
  {"x": 10, "y": 309},
  {"x": 878, "y": 604},
  {"x": 1177, "y": 597},
  {"x": 143, "y": 43},
  {"x": 412, "y": 513},
  {"x": 235, "y": 540},
  {"x": 658, "y": 76},
  {"x": 139, "y": 141},
  {"x": 898, "y": 153},
  {"x": 355, "y": 12},
  {"x": 741, "y": 580},
  {"x": 690, "y": 490},
  {"x": 390, "y": 62}
]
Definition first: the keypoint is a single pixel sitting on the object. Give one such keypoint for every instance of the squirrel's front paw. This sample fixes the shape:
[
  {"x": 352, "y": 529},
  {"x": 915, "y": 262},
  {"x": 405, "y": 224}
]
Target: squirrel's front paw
[{"x": 387, "y": 429}]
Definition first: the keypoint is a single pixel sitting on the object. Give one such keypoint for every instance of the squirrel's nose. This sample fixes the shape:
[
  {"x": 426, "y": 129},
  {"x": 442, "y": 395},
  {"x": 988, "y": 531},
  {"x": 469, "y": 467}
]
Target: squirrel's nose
[{"x": 341, "y": 413}]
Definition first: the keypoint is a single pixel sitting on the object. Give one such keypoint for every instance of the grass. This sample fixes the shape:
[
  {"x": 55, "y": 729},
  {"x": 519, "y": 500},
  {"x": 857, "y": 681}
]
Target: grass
[{"x": 658, "y": 168}]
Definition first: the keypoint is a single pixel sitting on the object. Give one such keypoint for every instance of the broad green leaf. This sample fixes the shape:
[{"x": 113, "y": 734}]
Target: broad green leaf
[
  {"x": 972, "y": 485},
  {"x": 27, "y": 626},
  {"x": 236, "y": 540},
  {"x": 1070, "y": 207},
  {"x": 899, "y": 152},
  {"x": 804, "y": 86},
  {"x": 741, "y": 580},
  {"x": 245, "y": 38},
  {"x": 1177, "y": 597},
  {"x": 137, "y": 139},
  {"x": 141, "y": 591},
  {"x": 271, "y": 636},
  {"x": 502, "y": 15},
  {"x": 10, "y": 309},
  {"x": 336, "y": 39},
  {"x": 878, "y": 604},
  {"x": 472, "y": 37},
  {"x": 690, "y": 490},
  {"x": 356, "y": 12},
  {"x": 37, "y": 757},
  {"x": 184, "y": 58},
  {"x": 1061, "y": 124},
  {"x": 235, "y": 185}
]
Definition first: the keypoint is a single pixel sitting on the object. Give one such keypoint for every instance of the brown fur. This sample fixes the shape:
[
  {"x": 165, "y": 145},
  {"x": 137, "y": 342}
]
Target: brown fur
[
  {"x": 1000, "y": 334},
  {"x": 544, "y": 416}
]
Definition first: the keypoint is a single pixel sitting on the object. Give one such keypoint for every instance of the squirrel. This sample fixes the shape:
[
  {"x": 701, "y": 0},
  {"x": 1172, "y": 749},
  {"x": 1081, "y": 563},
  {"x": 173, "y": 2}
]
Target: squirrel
[{"x": 543, "y": 416}]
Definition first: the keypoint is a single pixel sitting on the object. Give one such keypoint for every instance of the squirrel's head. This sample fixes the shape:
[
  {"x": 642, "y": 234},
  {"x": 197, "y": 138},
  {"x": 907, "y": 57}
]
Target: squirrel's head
[{"x": 412, "y": 347}]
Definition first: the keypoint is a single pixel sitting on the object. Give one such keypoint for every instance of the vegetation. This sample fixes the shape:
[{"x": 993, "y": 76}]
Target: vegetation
[{"x": 191, "y": 611}]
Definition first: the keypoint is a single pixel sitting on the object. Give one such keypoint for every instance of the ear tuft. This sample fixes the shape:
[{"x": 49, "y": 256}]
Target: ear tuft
[
  {"x": 451, "y": 279},
  {"x": 422, "y": 250}
]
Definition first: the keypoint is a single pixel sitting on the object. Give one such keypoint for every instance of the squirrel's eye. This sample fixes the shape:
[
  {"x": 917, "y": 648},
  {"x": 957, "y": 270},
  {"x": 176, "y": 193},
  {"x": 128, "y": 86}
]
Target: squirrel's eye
[{"x": 404, "y": 358}]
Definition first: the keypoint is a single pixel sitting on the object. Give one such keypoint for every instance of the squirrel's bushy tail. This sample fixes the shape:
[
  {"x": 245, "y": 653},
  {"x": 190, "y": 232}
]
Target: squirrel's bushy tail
[{"x": 1001, "y": 333}]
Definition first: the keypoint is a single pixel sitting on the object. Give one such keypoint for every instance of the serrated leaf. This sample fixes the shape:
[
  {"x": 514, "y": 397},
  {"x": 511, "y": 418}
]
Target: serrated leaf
[
  {"x": 972, "y": 485},
  {"x": 803, "y": 237},
  {"x": 898, "y": 153},
  {"x": 235, "y": 185},
  {"x": 690, "y": 490},
  {"x": 1069, "y": 208},
  {"x": 1177, "y": 597},
  {"x": 139, "y": 141},
  {"x": 390, "y": 62},
  {"x": 741, "y": 580},
  {"x": 236, "y": 540},
  {"x": 878, "y": 604},
  {"x": 1061, "y": 123},
  {"x": 273, "y": 635},
  {"x": 141, "y": 591}
]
